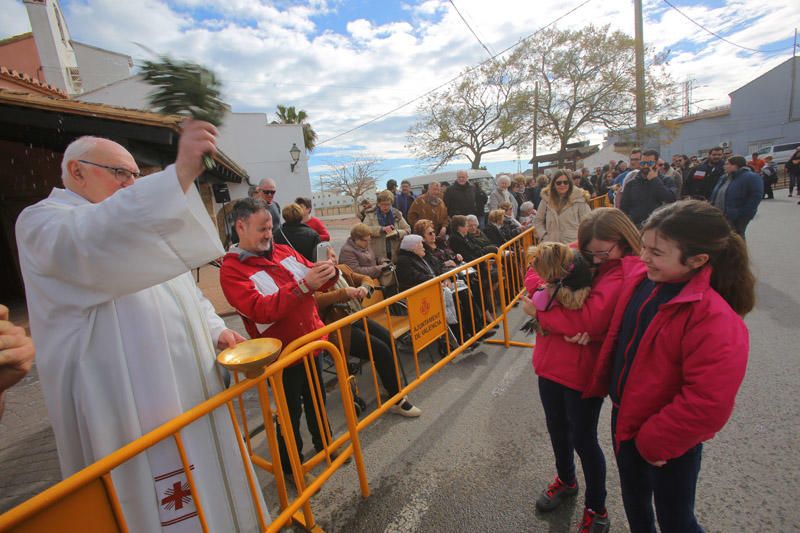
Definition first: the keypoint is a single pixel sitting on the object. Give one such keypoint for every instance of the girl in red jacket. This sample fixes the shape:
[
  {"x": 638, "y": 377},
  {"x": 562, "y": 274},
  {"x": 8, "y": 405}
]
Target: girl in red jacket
[
  {"x": 605, "y": 236},
  {"x": 674, "y": 358}
]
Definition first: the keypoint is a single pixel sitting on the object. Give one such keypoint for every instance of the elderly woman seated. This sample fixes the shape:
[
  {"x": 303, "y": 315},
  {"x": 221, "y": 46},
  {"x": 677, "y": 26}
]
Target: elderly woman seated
[
  {"x": 436, "y": 252},
  {"x": 297, "y": 234},
  {"x": 494, "y": 227},
  {"x": 415, "y": 268},
  {"x": 526, "y": 215},
  {"x": 511, "y": 226},
  {"x": 344, "y": 299},
  {"x": 358, "y": 255}
]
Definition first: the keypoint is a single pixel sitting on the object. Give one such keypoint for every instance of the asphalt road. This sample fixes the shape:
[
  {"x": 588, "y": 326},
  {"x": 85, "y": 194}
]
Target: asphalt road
[{"x": 479, "y": 455}]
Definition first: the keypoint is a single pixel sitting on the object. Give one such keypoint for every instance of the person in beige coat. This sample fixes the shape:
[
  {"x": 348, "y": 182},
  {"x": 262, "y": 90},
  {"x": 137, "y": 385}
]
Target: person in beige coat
[
  {"x": 561, "y": 210},
  {"x": 388, "y": 227}
]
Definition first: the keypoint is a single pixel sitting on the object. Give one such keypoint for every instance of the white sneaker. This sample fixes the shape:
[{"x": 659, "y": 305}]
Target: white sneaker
[{"x": 404, "y": 408}]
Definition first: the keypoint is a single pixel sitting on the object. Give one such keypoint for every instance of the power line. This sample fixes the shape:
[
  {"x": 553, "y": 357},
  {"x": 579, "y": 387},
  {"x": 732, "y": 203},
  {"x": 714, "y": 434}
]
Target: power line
[
  {"x": 720, "y": 37},
  {"x": 470, "y": 28},
  {"x": 448, "y": 82}
]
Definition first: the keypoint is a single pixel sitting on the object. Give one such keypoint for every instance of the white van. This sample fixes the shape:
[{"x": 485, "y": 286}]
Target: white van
[
  {"x": 780, "y": 152},
  {"x": 483, "y": 178}
]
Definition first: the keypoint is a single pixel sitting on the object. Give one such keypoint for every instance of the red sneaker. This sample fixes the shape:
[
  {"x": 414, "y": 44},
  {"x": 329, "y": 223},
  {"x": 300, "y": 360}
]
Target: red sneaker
[
  {"x": 555, "y": 492},
  {"x": 594, "y": 522}
]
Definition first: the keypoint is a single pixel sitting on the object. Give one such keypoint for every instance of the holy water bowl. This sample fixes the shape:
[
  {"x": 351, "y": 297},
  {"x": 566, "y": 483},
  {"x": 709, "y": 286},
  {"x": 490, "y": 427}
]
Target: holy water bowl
[{"x": 251, "y": 357}]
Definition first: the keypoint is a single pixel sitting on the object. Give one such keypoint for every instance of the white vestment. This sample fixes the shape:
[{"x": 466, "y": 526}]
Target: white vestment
[{"x": 125, "y": 342}]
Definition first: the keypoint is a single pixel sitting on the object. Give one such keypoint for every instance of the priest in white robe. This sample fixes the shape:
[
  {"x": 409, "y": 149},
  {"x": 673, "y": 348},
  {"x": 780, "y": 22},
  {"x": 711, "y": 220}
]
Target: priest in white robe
[{"x": 125, "y": 339}]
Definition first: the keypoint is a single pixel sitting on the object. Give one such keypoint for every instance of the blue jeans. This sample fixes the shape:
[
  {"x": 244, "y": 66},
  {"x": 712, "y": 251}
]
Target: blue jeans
[
  {"x": 794, "y": 183},
  {"x": 572, "y": 424},
  {"x": 672, "y": 487}
]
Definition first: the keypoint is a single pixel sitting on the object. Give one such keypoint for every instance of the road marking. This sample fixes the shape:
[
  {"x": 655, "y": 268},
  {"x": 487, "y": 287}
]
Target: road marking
[
  {"x": 510, "y": 376},
  {"x": 410, "y": 517}
]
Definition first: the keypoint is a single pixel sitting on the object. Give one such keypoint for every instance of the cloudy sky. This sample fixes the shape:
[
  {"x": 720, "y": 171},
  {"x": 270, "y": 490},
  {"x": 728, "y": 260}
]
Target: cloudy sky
[{"x": 347, "y": 62}]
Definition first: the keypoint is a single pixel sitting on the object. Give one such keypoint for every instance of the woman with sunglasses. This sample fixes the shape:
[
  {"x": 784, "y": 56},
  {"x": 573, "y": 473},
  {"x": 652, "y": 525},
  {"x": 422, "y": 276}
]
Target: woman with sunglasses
[
  {"x": 561, "y": 210},
  {"x": 565, "y": 367}
]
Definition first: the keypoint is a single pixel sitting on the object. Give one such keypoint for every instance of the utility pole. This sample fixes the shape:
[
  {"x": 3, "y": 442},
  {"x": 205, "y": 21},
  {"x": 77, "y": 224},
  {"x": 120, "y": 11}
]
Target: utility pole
[
  {"x": 535, "y": 127},
  {"x": 639, "y": 53},
  {"x": 794, "y": 77}
]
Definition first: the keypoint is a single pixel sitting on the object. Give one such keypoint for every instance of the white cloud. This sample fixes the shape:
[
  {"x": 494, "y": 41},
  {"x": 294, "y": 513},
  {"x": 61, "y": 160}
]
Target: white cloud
[{"x": 270, "y": 52}]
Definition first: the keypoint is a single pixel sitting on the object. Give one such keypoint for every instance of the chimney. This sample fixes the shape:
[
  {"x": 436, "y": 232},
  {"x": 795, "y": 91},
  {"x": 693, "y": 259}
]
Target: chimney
[{"x": 50, "y": 32}]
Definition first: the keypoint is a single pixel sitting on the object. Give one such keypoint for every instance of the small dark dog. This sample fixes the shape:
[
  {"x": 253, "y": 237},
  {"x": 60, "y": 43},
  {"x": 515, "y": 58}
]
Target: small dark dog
[{"x": 567, "y": 276}]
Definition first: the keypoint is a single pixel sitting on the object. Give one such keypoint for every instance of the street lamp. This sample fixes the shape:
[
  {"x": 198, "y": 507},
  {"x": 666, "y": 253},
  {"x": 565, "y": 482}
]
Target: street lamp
[{"x": 295, "y": 153}]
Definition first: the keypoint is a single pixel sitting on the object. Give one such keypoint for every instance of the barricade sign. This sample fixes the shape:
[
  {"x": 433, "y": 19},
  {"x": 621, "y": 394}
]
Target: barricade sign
[{"x": 426, "y": 314}]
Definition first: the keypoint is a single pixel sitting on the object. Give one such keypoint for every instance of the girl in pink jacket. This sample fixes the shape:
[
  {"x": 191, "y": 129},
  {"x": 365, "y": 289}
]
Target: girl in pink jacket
[
  {"x": 565, "y": 369},
  {"x": 674, "y": 358}
]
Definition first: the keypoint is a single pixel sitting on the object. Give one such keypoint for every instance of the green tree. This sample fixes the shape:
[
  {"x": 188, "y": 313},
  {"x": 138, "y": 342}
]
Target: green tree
[
  {"x": 484, "y": 112},
  {"x": 587, "y": 81},
  {"x": 288, "y": 115}
]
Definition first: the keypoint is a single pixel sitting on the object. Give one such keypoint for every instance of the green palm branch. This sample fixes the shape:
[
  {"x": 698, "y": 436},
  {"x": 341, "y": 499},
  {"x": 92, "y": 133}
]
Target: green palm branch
[{"x": 185, "y": 88}]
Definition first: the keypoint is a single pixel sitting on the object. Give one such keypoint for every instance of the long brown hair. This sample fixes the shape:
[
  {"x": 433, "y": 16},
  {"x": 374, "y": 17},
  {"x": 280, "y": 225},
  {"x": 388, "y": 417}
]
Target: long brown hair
[
  {"x": 700, "y": 228},
  {"x": 610, "y": 224},
  {"x": 557, "y": 202}
]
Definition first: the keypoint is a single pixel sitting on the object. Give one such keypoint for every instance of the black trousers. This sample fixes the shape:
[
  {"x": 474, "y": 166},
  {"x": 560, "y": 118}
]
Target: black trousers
[
  {"x": 381, "y": 341},
  {"x": 768, "y": 189},
  {"x": 672, "y": 487},
  {"x": 298, "y": 398},
  {"x": 572, "y": 424}
]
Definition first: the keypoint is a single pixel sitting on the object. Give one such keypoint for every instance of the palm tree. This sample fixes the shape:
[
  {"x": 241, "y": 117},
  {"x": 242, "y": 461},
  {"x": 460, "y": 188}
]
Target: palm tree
[{"x": 288, "y": 115}]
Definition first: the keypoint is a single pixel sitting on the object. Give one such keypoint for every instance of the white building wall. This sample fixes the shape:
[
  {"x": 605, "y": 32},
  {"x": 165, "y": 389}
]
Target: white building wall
[
  {"x": 100, "y": 67},
  {"x": 262, "y": 149},
  {"x": 130, "y": 92},
  {"x": 52, "y": 39}
]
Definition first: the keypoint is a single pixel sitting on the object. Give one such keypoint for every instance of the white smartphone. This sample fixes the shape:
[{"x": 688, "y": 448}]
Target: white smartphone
[{"x": 322, "y": 251}]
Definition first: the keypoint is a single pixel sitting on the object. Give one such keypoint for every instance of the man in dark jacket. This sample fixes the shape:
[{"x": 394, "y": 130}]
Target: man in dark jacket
[
  {"x": 738, "y": 193},
  {"x": 463, "y": 198},
  {"x": 648, "y": 190},
  {"x": 702, "y": 179}
]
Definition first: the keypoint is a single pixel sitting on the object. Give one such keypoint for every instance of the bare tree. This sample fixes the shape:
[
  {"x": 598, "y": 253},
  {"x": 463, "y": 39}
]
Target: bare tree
[
  {"x": 587, "y": 81},
  {"x": 484, "y": 112},
  {"x": 353, "y": 179}
]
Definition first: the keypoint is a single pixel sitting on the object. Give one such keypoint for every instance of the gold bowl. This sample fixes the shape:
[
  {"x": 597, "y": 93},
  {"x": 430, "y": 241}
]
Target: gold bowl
[{"x": 251, "y": 357}]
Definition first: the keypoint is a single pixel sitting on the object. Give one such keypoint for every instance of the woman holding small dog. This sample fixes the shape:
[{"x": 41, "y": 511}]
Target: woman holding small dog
[
  {"x": 674, "y": 358},
  {"x": 565, "y": 368}
]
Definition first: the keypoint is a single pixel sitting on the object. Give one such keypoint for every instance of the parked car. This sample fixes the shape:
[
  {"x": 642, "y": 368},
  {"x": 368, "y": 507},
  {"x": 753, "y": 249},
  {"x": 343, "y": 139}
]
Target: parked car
[{"x": 780, "y": 152}]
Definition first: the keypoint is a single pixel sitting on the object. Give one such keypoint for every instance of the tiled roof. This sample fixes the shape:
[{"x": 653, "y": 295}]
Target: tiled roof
[
  {"x": 26, "y": 80},
  {"x": 103, "y": 111}
]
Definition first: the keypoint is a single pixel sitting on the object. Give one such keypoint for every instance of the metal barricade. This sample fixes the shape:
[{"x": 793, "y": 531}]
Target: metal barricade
[
  {"x": 512, "y": 257},
  {"x": 481, "y": 292},
  {"x": 87, "y": 500},
  {"x": 600, "y": 201}
]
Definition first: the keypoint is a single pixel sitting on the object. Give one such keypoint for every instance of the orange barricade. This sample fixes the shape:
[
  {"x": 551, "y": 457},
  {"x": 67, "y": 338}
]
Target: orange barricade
[
  {"x": 86, "y": 501},
  {"x": 600, "y": 201},
  {"x": 453, "y": 311}
]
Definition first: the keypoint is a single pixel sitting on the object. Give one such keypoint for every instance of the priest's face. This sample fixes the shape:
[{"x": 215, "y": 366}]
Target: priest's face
[
  {"x": 102, "y": 171},
  {"x": 255, "y": 232}
]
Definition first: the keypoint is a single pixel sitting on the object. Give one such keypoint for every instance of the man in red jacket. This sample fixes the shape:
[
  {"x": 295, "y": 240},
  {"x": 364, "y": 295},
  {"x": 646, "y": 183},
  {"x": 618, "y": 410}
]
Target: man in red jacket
[{"x": 272, "y": 287}]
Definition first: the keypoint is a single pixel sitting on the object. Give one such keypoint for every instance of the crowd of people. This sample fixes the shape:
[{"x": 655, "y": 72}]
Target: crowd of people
[{"x": 116, "y": 332}]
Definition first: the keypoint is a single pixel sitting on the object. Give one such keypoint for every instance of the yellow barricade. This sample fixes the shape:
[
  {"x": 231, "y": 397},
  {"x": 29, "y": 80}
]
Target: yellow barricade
[
  {"x": 600, "y": 201},
  {"x": 87, "y": 501},
  {"x": 481, "y": 293}
]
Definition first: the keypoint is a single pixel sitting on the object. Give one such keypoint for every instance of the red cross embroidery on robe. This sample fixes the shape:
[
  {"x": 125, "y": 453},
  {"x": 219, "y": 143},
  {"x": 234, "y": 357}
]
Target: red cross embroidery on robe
[{"x": 176, "y": 496}]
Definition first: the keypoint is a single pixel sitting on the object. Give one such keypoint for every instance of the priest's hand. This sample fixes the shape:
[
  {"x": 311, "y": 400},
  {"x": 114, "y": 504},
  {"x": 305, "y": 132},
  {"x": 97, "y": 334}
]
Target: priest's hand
[
  {"x": 228, "y": 339},
  {"x": 16, "y": 352},
  {"x": 198, "y": 138}
]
